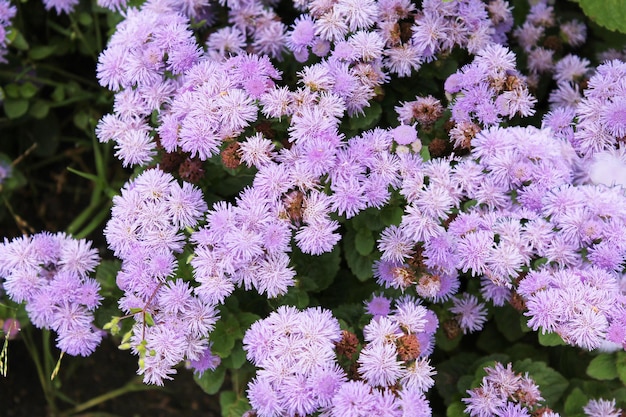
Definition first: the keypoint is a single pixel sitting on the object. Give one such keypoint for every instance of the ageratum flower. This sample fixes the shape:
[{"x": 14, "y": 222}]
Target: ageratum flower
[{"x": 50, "y": 274}]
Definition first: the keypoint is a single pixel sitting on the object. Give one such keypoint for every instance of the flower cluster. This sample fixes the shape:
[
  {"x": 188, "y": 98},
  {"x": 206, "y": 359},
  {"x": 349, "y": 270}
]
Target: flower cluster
[
  {"x": 299, "y": 374},
  {"x": 503, "y": 392},
  {"x": 171, "y": 322},
  {"x": 7, "y": 12},
  {"x": 49, "y": 272},
  {"x": 485, "y": 91}
]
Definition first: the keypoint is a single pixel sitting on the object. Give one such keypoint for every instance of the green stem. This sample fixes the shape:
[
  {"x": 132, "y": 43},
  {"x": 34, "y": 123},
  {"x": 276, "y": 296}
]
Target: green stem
[
  {"x": 73, "y": 228},
  {"x": 128, "y": 388},
  {"x": 94, "y": 223},
  {"x": 46, "y": 386}
]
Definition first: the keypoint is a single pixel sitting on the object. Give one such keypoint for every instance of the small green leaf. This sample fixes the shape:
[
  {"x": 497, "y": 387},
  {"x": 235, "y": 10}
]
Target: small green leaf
[
  {"x": 456, "y": 409},
  {"x": 550, "y": 339},
  {"x": 211, "y": 381},
  {"x": 425, "y": 153},
  {"x": 39, "y": 109},
  {"x": 85, "y": 19},
  {"x": 15, "y": 108},
  {"x": 28, "y": 90},
  {"x": 17, "y": 40},
  {"x": 364, "y": 242},
  {"x": 58, "y": 94},
  {"x": 40, "y": 52},
  {"x": 602, "y": 367},
  {"x": 12, "y": 90}
]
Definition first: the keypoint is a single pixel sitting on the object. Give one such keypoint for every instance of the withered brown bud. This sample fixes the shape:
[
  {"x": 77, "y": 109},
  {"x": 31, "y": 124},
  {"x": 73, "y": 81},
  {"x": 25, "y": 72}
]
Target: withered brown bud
[
  {"x": 517, "y": 302},
  {"x": 347, "y": 345},
  {"x": 191, "y": 170},
  {"x": 408, "y": 347},
  {"x": 451, "y": 328},
  {"x": 230, "y": 155},
  {"x": 439, "y": 147},
  {"x": 170, "y": 161}
]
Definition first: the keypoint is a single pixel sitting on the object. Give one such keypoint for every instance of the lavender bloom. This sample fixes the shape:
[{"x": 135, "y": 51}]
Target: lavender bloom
[
  {"x": 7, "y": 12},
  {"x": 471, "y": 314},
  {"x": 503, "y": 392},
  {"x": 601, "y": 408},
  {"x": 49, "y": 272}
]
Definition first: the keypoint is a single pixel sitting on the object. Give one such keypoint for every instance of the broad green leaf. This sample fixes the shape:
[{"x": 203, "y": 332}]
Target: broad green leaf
[
  {"x": 361, "y": 266},
  {"x": 575, "y": 402},
  {"x": 237, "y": 357},
  {"x": 391, "y": 215},
  {"x": 223, "y": 336},
  {"x": 106, "y": 273},
  {"x": 364, "y": 242},
  {"x": 233, "y": 405},
  {"x": 28, "y": 90},
  {"x": 211, "y": 381},
  {"x": 15, "y": 108},
  {"x": 449, "y": 372},
  {"x": 551, "y": 383},
  {"x": 425, "y": 153},
  {"x": 322, "y": 269},
  {"x": 507, "y": 322},
  {"x": 602, "y": 367},
  {"x": 610, "y": 14}
]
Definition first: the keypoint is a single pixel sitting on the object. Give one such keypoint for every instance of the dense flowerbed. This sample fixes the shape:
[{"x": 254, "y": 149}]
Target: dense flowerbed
[{"x": 333, "y": 207}]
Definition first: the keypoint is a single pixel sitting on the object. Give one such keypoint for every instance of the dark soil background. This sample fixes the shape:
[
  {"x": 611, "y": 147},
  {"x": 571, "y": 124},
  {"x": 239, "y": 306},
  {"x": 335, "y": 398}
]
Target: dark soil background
[{"x": 84, "y": 378}]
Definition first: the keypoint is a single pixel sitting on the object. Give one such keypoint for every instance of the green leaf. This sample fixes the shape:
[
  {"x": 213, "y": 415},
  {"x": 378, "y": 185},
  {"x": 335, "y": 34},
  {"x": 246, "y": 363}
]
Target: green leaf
[
  {"x": 610, "y": 14},
  {"x": 321, "y": 269},
  {"x": 602, "y": 367},
  {"x": 449, "y": 372},
  {"x": 361, "y": 266},
  {"x": 367, "y": 120},
  {"x": 575, "y": 402},
  {"x": 425, "y": 153},
  {"x": 237, "y": 357},
  {"x": 15, "y": 108},
  {"x": 17, "y": 40},
  {"x": 211, "y": 381},
  {"x": 224, "y": 334},
  {"x": 233, "y": 405},
  {"x": 550, "y": 339},
  {"x": 456, "y": 409},
  {"x": 620, "y": 364},
  {"x": 507, "y": 322},
  {"x": 364, "y": 242},
  {"x": 551, "y": 383},
  {"x": 40, "y": 52},
  {"x": 39, "y": 109},
  {"x": 12, "y": 90},
  {"x": 85, "y": 19},
  {"x": 391, "y": 215}
]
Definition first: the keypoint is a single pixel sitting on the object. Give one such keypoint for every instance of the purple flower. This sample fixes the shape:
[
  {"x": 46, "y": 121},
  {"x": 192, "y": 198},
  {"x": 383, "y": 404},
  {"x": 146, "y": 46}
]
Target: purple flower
[{"x": 471, "y": 314}]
